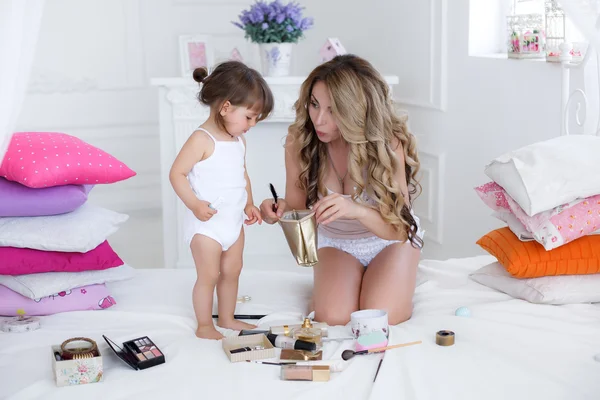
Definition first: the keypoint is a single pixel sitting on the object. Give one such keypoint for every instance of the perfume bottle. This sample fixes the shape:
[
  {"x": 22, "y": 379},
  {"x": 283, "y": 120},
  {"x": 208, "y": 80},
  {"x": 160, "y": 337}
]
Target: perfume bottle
[{"x": 308, "y": 333}]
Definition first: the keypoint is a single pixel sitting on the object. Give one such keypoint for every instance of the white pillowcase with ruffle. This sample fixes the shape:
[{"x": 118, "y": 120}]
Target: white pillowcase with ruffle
[
  {"x": 546, "y": 174},
  {"x": 36, "y": 286},
  {"x": 562, "y": 289},
  {"x": 79, "y": 231}
]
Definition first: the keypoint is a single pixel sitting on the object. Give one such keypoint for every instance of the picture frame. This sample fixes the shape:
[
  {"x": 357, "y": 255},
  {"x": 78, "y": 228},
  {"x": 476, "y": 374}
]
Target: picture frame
[{"x": 195, "y": 51}]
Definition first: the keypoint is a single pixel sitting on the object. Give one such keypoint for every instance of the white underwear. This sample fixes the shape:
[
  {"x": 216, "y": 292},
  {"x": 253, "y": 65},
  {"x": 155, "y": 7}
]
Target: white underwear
[
  {"x": 363, "y": 249},
  {"x": 224, "y": 227}
]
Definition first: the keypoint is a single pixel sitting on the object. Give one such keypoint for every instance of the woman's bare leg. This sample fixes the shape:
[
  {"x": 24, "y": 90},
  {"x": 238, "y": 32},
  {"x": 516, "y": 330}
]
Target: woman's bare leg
[
  {"x": 227, "y": 286},
  {"x": 337, "y": 280},
  {"x": 207, "y": 257},
  {"x": 389, "y": 282}
]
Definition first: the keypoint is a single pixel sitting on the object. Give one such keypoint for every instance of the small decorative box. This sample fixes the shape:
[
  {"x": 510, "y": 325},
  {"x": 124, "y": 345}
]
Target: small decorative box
[
  {"x": 250, "y": 347},
  {"x": 76, "y": 371}
]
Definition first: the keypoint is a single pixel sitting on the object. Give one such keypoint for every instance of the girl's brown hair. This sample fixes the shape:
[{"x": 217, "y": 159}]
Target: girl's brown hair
[
  {"x": 365, "y": 115},
  {"x": 237, "y": 83}
]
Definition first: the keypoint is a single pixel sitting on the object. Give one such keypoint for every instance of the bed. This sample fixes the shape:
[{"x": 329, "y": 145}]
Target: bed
[{"x": 506, "y": 348}]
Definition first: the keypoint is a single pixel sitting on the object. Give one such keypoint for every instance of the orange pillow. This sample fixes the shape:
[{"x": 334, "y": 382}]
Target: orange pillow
[{"x": 531, "y": 260}]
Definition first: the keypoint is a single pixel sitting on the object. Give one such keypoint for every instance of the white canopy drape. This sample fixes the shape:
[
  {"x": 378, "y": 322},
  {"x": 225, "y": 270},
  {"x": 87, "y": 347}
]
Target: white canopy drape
[
  {"x": 585, "y": 14},
  {"x": 20, "y": 22}
]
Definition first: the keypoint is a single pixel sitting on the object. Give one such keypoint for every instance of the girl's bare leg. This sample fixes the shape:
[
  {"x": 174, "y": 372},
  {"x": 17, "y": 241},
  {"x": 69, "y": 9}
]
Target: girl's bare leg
[
  {"x": 207, "y": 257},
  {"x": 227, "y": 286}
]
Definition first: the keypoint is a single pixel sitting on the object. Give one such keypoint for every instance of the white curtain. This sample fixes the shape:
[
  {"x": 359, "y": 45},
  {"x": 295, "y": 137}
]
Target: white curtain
[
  {"x": 585, "y": 14},
  {"x": 20, "y": 22}
]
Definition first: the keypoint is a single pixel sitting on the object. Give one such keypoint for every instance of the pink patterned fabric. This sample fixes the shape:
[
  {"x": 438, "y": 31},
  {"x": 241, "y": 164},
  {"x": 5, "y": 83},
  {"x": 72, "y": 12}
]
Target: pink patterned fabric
[
  {"x": 581, "y": 219},
  {"x": 551, "y": 228},
  {"x": 46, "y": 159},
  {"x": 494, "y": 196},
  {"x": 21, "y": 261},
  {"x": 91, "y": 297}
]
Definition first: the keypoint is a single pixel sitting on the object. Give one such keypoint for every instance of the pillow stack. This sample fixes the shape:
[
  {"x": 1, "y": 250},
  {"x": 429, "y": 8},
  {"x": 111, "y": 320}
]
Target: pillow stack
[
  {"x": 548, "y": 194},
  {"x": 54, "y": 252}
]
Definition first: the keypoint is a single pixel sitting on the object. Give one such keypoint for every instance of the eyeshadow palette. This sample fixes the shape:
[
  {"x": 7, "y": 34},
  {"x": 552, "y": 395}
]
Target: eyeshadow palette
[{"x": 140, "y": 353}]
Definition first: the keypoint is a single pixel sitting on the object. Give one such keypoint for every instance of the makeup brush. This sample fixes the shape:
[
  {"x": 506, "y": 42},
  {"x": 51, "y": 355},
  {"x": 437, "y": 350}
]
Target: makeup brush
[
  {"x": 378, "y": 367},
  {"x": 274, "y": 193},
  {"x": 348, "y": 354},
  {"x": 242, "y": 316}
]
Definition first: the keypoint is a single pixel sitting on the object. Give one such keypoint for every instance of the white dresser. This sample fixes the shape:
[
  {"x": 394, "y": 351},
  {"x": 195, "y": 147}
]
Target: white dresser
[{"x": 180, "y": 114}]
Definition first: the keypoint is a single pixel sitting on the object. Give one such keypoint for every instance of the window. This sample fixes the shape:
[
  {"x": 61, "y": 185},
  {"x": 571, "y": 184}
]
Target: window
[{"x": 489, "y": 33}]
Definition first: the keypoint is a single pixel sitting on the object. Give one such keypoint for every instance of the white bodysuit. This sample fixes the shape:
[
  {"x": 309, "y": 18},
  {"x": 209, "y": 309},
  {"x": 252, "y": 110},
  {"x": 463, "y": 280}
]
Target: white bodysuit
[{"x": 220, "y": 180}]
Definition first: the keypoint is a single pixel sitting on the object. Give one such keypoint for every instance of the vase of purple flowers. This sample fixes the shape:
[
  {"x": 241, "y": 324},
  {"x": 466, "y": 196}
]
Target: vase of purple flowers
[{"x": 275, "y": 27}]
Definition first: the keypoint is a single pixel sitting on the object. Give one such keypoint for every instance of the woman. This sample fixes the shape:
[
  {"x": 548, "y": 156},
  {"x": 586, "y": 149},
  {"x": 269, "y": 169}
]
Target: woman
[{"x": 353, "y": 161}]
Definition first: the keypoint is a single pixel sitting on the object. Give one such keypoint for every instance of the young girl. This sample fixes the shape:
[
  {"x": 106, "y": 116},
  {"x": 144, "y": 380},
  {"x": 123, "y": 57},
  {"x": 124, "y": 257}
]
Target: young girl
[{"x": 209, "y": 176}]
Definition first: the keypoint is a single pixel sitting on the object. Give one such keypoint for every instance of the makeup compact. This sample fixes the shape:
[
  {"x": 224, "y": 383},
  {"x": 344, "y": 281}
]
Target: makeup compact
[
  {"x": 140, "y": 353},
  {"x": 300, "y": 355},
  {"x": 316, "y": 373}
]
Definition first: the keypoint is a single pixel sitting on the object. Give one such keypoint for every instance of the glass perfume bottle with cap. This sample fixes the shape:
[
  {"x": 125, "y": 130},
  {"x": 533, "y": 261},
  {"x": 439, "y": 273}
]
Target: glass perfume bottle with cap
[{"x": 308, "y": 333}]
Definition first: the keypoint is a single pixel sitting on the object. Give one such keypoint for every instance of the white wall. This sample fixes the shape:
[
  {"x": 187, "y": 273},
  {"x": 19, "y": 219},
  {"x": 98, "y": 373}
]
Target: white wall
[
  {"x": 95, "y": 59},
  {"x": 90, "y": 80}
]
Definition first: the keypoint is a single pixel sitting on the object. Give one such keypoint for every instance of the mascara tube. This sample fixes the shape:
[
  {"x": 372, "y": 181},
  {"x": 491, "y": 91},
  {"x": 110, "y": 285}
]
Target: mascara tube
[{"x": 285, "y": 342}]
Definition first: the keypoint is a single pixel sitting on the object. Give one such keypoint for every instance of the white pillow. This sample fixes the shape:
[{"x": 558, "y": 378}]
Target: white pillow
[
  {"x": 563, "y": 289},
  {"x": 36, "y": 286},
  {"x": 546, "y": 174},
  {"x": 79, "y": 231},
  {"x": 515, "y": 225}
]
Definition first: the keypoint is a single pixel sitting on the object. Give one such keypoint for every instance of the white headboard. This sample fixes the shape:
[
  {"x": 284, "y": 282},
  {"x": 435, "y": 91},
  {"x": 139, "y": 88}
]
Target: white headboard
[
  {"x": 585, "y": 15},
  {"x": 574, "y": 103}
]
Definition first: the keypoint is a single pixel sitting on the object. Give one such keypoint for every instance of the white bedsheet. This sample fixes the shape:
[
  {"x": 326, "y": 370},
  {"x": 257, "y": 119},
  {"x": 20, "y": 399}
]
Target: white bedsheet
[{"x": 506, "y": 348}]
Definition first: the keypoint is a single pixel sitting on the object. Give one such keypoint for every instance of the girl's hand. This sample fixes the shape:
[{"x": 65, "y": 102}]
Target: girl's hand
[
  {"x": 335, "y": 206},
  {"x": 202, "y": 211},
  {"x": 272, "y": 212},
  {"x": 253, "y": 214}
]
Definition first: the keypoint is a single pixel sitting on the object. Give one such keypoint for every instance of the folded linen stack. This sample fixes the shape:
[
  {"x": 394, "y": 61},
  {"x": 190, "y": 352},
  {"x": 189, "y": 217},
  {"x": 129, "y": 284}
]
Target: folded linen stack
[
  {"x": 548, "y": 194},
  {"x": 54, "y": 252}
]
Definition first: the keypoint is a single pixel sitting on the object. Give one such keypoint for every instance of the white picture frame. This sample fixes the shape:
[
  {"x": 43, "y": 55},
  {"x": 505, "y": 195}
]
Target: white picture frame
[{"x": 195, "y": 51}]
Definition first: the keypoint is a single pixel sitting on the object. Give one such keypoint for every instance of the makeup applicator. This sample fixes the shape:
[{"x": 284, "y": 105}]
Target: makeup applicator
[{"x": 348, "y": 354}]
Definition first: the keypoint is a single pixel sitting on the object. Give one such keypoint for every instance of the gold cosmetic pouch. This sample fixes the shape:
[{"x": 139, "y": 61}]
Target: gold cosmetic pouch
[{"x": 300, "y": 230}]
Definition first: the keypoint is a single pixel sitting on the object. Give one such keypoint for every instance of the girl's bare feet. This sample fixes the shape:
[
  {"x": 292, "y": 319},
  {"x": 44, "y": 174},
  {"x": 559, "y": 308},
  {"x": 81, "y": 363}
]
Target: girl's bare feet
[
  {"x": 208, "y": 332},
  {"x": 234, "y": 324}
]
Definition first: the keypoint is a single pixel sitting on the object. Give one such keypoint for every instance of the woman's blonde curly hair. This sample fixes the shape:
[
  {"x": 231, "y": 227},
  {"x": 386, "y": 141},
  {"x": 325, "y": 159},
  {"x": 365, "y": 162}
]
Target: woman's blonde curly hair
[{"x": 364, "y": 112}]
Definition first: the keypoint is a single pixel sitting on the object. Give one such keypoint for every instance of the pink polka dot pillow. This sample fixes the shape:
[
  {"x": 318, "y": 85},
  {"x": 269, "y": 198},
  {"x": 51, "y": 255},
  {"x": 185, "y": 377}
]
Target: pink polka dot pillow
[{"x": 46, "y": 159}]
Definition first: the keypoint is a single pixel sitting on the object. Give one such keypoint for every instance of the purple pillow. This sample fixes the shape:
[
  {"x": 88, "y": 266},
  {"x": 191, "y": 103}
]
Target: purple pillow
[
  {"x": 91, "y": 297},
  {"x": 17, "y": 200}
]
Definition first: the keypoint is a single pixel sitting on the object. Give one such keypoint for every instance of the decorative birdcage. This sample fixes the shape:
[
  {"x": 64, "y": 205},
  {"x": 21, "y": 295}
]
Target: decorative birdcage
[
  {"x": 555, "y": 29},
  {"x": 526, "y": 37},
  {"x": 558, "y": 33}
]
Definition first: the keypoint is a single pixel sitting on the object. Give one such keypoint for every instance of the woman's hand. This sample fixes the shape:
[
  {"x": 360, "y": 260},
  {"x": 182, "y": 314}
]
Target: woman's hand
[
  {"x": 335, "y": 206},
  {"x": 202, "y": 210},
  {"x": 253, "y": 214},
  {"x": 272, "y": 212}
]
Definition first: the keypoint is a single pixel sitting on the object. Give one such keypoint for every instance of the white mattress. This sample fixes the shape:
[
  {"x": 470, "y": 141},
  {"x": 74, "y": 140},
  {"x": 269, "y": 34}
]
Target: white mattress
[{"x": 507, "y": 348}]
